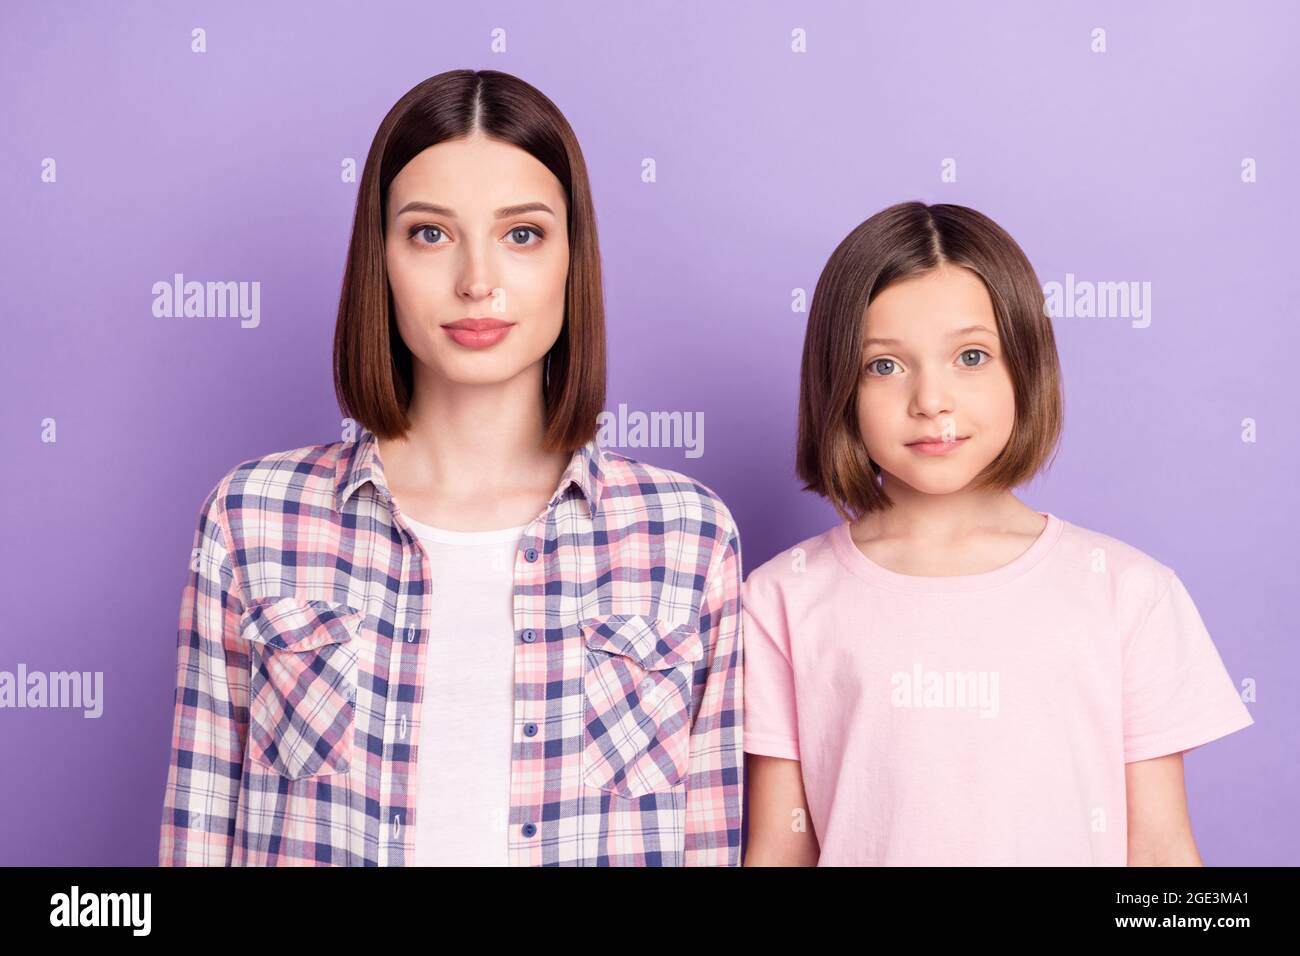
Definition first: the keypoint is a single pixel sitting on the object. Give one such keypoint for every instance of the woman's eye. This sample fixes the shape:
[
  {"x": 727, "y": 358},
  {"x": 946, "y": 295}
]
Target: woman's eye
[
  {"x": 422, "y": 231},
  {"x": 433, "y": 235},
  {"x": 522, "y": 233},
  {"x": 976, "y": 353},
  {"x": 874, "y": 367}
]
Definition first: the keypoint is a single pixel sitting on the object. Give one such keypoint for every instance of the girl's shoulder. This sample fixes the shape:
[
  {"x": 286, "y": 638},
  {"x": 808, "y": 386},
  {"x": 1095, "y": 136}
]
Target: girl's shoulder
[
  {"x": 1128, "y": 566},
  {"x": 794, "y": 563}
]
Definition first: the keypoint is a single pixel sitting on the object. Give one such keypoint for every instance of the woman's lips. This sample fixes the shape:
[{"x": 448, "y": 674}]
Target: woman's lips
[
  {"x": 937, "y": 447},
  {"x": 478, "y": 333}
]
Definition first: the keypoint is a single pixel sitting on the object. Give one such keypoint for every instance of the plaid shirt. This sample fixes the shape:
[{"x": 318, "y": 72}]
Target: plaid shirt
[{"x": 301, "y": 655}]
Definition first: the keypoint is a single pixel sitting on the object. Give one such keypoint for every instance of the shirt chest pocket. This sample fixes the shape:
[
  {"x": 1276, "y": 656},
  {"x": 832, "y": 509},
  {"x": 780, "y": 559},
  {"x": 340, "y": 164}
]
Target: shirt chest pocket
[
  {"x": 303, "y": 684},
  {"x": 637, "y": 682}
]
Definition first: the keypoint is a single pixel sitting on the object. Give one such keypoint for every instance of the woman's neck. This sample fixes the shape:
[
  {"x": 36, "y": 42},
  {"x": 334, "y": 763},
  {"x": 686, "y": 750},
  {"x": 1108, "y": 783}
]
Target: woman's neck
[{"x": 474, "y": 450}]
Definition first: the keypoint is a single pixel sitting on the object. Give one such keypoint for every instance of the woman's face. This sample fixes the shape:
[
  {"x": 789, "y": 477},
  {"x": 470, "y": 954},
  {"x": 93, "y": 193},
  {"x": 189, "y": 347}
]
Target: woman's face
[
  {"x": 933, "y": 368},
  {"x": 477, "y": 230}
]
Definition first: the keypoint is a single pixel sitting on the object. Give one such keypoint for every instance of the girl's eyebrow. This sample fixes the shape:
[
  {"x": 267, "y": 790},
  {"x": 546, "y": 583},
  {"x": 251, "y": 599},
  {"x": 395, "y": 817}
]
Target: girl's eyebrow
[
  {"x": 503, "y": 213},
  {"x": 966, "y": 331}
]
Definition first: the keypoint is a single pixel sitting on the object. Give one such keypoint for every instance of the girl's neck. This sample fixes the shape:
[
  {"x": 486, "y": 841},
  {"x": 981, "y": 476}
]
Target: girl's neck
[{"x": 946, "y": 520}]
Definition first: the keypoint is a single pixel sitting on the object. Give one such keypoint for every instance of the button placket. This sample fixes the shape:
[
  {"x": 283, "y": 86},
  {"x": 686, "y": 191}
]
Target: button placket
[
  {"x": 410, "y": 632},
  {"x": 531, "y": 728},
  {"x": 405, "y": 643}
]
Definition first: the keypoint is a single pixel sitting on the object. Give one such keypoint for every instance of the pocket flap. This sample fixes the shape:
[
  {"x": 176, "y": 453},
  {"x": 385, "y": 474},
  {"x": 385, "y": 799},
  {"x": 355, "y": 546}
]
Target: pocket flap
[
  {"x": 293, "y": 624},
  {"x": 654, "y": 644}
]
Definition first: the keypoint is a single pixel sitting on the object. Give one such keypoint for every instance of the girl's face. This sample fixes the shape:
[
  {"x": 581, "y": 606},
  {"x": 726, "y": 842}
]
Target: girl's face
[
  {"x": 933, "y": 368},
  {"x": 477, "y": 230}
]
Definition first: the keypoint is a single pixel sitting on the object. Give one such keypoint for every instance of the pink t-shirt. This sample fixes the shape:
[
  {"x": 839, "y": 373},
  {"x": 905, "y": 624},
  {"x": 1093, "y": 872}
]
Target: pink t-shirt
[{"x": 981, "y": 719}]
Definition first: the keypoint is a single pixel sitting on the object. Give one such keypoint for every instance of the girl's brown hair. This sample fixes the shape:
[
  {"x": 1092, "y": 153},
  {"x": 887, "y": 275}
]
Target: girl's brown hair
[
  {"x": 905, "y": 240},
  {"x": 372, "y": 365}
]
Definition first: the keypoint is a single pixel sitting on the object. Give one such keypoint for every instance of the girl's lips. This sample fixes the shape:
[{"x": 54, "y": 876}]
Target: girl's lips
[
  {"x": 477, "y": 339},
  {"x": 937, "y": 447}
]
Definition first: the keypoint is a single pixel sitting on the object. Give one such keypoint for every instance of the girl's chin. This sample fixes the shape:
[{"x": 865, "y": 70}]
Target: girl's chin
[{"x": 928, "y": 484}]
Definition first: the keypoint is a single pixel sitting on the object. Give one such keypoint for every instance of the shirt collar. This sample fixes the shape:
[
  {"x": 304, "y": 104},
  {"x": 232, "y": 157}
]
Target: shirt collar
[{"x": 359, "y": 462}]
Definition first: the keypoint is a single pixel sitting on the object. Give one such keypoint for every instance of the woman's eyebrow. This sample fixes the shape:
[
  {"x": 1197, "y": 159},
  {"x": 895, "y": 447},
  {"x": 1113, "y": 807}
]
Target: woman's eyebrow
[
  {"x": 953, "y": 334},
  {"x": 503, "y": 213}
]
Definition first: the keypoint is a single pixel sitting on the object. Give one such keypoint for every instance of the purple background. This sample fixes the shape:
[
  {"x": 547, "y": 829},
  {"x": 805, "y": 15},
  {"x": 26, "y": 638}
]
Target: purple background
[{"x": 1122, "y": 166}]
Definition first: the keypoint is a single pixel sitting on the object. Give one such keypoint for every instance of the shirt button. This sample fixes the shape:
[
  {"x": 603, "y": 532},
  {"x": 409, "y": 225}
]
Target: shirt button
[
  {"x": 529, "y": 636},
  {"x": 529, "y": 829},
  {"x": 530, "y": 730},
  {"x": 530, "y": 554}
]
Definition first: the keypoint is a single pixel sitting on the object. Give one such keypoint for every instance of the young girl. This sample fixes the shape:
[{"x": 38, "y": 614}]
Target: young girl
[
  {"x": 467, "y": 635},
  {"x": 949, "y": 676}
]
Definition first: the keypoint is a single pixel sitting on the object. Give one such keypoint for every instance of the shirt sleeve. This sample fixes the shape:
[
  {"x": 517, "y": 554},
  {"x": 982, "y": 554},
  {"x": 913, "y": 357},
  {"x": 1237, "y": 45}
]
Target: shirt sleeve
[
  {"x": 210, "y": 715},
  {"x": 715, "y": 784},
  {"x": 1177, "y": 692},
  {"x": 771, "y": 725}
]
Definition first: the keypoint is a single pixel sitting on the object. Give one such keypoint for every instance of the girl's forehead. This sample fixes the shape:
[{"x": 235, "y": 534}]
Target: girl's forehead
[{"x": 926, "y": 307}]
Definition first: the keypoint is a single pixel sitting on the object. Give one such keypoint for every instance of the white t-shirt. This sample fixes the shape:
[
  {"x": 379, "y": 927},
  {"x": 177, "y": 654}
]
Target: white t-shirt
[{"x": 463, "y": 762}]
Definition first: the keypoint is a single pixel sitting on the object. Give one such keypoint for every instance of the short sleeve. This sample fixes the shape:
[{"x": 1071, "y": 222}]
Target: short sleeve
[
  {"x": 770, "y": 724},
  {"x": 1177, "y": 692}
]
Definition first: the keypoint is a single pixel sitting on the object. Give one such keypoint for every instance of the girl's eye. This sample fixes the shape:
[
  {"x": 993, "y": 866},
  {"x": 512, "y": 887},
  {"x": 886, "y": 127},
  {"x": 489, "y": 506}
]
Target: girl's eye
[
  {"x": 975, "y": 352},
  {"x": 522, "y": 232},
  {"x": 874, "y": 367}
]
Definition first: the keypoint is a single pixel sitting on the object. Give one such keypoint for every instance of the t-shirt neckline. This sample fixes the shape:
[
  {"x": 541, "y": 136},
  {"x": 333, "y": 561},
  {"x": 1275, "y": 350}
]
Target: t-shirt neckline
[
  {"x": 865, "y": 568},
  {"x": 446, "y": 536}
]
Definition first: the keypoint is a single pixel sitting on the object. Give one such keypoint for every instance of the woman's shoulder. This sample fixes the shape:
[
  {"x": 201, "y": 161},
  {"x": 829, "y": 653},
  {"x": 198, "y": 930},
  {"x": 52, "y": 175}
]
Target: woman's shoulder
[
  {"x": 306, "y": 473},
  {"x": 669, "y": 493}
]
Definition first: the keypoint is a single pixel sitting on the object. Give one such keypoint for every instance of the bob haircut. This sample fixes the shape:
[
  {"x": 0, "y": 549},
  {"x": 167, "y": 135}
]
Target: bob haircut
[
  {"x": 905, "y": 240},
  {"x": 372, "y": 365}
]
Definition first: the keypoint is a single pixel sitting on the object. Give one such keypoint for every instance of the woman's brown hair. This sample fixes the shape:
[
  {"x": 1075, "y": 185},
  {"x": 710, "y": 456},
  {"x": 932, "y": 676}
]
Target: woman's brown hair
[
  {"x": 905, "y": 240},
  {"x": 372, "y": 365}
]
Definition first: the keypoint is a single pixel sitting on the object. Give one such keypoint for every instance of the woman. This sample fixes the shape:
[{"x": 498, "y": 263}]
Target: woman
[{"x": 470, "y": 635}]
